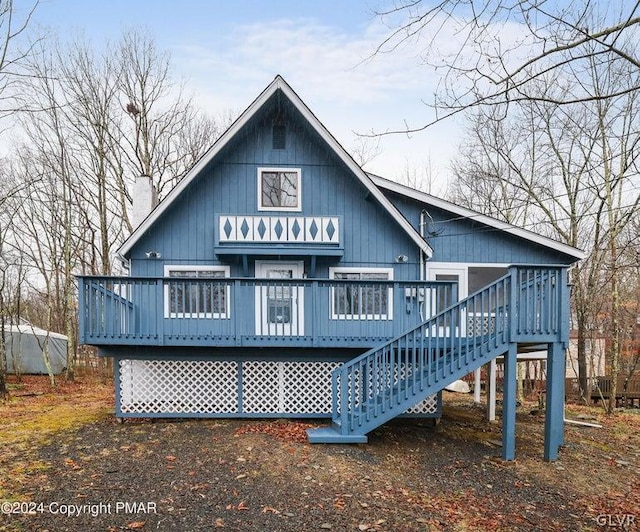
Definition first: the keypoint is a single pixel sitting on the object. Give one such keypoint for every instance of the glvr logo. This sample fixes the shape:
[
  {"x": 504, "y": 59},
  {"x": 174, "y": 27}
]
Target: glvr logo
[{"x": 624, "y": 521}]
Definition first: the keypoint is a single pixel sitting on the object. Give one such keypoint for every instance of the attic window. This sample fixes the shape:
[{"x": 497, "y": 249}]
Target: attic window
[
  {"x": 279, "y": 189},
  {"x": 279, "y": 137}
]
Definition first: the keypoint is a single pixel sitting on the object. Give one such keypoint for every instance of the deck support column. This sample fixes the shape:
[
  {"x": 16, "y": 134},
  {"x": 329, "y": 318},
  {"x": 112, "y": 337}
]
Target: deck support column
[
  {"x": 476, "y": 385},
  {"x": 509, "y": 403},
  {"x": 491, "y": 390},
  {"x": 554, "y": 408}
]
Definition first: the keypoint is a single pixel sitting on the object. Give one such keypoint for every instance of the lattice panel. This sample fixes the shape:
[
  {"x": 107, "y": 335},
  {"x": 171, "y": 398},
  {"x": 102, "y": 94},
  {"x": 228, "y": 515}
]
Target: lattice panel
[
  {"x": 178, "y": 386},
  {"x": 479, "y": 324},
  {"x": 287, "y": 387},
  {"x": 428, "y": 406},
  {"x": 211, "y": 387}
]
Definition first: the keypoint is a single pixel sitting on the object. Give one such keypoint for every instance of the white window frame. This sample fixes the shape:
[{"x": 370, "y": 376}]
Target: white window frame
[
  {"x": 377, "y": 317},
  {"x": 298, "y": 172},
  {"x": 201, "y": 315}
]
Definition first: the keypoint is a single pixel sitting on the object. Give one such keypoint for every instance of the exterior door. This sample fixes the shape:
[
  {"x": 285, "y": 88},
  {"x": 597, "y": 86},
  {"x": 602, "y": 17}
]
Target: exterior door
[
  {"x": 279, "y": 303},
  {"x": 437, "y": 304}
]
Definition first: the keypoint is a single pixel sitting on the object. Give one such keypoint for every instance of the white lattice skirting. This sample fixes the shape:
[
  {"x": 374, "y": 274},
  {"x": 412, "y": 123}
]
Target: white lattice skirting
[{"x": 218, "y": 388}]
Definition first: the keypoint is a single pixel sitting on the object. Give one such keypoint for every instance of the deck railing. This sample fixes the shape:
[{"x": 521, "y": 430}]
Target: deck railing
[{"x": 221, "y": 311}]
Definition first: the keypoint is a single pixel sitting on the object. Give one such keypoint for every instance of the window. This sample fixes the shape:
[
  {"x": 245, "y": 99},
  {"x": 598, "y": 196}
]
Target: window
[
  {"x": 279, "y": 189},
  {"x": 196, "y": 292},
  {"x": 360, "y": 300}
]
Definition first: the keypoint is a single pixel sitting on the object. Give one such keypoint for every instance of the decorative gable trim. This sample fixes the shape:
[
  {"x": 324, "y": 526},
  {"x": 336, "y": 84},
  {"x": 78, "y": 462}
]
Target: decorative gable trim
[
  {"x": 476, "y": 216},
  {"x": 277, "y": 84}
]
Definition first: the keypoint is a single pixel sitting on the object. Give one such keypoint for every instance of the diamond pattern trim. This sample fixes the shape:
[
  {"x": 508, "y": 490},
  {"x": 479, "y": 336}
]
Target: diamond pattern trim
[
  {"x": 278, "y": 229},
  {"x": 316, "y": 229},
  {"x": 262, "y": 229},
  {"x": 330, "y": 230},
  {"x": 244, "y": 228},
  {"x": 227, "y": 229},
  {"x": 313, "y": 230},
  {"x": 295, "y": 229}
]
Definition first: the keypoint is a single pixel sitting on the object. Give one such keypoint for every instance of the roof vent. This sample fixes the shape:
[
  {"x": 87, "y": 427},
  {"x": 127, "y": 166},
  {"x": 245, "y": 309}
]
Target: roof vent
[{"x": 279, "y": 137}]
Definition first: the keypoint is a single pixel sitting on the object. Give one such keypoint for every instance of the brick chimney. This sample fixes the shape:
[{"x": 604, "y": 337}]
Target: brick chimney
[{"x": 145, "y": 198}]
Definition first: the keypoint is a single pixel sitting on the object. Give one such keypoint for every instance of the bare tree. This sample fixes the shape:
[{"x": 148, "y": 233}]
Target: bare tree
[
  {"x": 13, "y": 23},
  {"x": 571, "y": 171},
  {"x": 482, "y": 179},
  {"x": 11, "y": 192},
  {"x": 166, "y": 134},
  {"x": 97, "y": 120},
  {"x": 496, "y": 52},
  {"x": 365, "y": 149}
]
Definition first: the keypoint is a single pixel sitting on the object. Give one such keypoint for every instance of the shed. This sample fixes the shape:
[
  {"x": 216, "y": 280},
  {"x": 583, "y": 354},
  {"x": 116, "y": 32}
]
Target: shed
[{"x": 25, "y": 346}]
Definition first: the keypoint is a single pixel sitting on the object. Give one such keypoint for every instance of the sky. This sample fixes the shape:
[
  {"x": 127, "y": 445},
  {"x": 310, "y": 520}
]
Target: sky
[{"x": 227, "y": 52}]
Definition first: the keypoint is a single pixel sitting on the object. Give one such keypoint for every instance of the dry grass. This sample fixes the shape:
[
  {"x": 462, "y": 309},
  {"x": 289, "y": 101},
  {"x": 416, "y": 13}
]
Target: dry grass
[{"x": 35, "y": 412}]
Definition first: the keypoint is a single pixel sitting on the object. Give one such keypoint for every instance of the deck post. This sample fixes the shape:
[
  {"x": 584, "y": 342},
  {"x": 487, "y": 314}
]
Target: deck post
[
  {"x": 491, "y": 390},
  {"x": 509, "y": 403},
  {"x": 554, "y": 409},
  {"x": 476, "y": 385},
  {"x": 83, "y": 290}
]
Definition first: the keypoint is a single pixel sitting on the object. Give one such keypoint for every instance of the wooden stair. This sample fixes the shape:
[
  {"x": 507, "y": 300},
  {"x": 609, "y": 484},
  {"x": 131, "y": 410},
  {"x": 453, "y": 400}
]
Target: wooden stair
[{"x": 392, "y": 377}]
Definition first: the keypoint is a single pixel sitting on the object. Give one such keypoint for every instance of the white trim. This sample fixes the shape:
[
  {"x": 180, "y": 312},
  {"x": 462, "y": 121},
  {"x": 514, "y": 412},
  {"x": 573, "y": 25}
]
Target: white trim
[
  {"x": 354, "y": 269},
  {"x": 476, "y": 216},
  {"x": 277, "y": 84},
  {"x": 168, "y": 268},
  {"x": 297, "y": 171}
]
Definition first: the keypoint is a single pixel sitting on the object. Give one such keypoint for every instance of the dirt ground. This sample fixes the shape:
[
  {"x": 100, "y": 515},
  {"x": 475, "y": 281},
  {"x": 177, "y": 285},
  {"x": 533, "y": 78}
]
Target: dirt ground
[{"x": 66, "y": 464}]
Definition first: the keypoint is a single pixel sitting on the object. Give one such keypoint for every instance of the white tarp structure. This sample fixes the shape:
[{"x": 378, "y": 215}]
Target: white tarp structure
[{"x": 25, "y": 345}]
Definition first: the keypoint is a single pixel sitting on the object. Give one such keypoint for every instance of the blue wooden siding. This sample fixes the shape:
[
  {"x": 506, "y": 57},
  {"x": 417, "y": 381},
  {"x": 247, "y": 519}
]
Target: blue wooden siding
[
  {"x": 186, "y": 232},
  {"x": 466, "y": 240}
]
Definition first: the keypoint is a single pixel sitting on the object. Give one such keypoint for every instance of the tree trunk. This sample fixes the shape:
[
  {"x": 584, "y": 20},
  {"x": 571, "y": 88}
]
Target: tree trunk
[
  {"x": 4, "y": 391},
  {"x": 615, "y": 327}
]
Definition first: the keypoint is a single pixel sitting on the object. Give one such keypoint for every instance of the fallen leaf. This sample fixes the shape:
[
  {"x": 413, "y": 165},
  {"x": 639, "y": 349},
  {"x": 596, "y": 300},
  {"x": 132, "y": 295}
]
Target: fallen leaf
[
  {"x": 135, "y": 525},
  {"x": 170, "y": 458}
]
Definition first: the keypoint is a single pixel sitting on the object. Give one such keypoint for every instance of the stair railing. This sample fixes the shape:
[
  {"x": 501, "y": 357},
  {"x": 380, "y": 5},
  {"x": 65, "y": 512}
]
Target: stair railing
[{"x": 385, "y": 379}]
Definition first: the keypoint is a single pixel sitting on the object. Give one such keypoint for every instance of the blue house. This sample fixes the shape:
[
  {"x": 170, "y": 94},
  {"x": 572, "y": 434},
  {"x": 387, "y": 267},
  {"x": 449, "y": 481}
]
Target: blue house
[{"x": 280, "y": 279}]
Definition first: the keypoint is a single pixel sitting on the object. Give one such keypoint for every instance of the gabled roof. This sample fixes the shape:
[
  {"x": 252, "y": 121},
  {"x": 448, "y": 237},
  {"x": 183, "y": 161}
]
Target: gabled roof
[
  {"x": 476, "y": 216},
  {"x": 277, "y": 84}
]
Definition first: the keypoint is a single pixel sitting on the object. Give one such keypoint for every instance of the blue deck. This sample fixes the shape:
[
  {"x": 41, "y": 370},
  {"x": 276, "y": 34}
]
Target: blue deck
[{"x": 244, "y": 312}]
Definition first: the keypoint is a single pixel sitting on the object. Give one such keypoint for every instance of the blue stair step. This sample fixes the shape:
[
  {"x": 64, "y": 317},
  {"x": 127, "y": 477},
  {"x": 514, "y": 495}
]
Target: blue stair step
[{"x": 330, "y": 435}]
